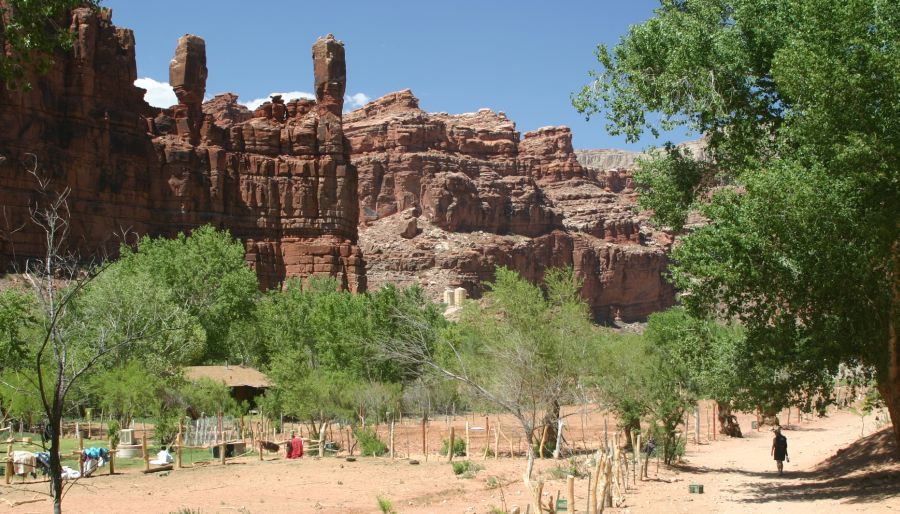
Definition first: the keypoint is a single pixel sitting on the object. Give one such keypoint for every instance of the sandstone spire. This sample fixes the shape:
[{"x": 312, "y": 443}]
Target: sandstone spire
[
  {"x": 330, "y": 70},
  {"x": 187, "y": 76}
]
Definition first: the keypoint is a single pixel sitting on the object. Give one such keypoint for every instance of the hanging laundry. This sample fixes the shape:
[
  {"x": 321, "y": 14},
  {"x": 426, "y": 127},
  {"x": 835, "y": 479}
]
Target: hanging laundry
[{"x": 24, "y": 462}]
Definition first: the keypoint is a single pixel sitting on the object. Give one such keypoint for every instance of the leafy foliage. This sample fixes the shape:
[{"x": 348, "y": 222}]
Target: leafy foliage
[
  {"x": 31, "y": 32},
  {"x": 797, "y": 102},
  {"x": 17, "y": 314},
  {"x": 205, "y": 274},
  {"x": 459, "y": 447},
  {"x": 369, "y": 443},
  {"x": 466, "y": 468}
]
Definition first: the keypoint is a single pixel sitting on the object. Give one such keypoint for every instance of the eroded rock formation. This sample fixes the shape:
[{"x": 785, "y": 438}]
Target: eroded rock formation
[
  {"x": 477, "y": 195},
  {"x": 279, "y": 178}
]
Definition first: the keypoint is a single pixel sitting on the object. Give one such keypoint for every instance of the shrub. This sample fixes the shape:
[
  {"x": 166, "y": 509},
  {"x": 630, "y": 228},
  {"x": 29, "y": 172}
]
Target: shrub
[
  {"x": 459, "y": 447},
  {"x": 369, "y": 443},
  {"x": 562, "y": 471},
  {"x": 166, "y": 429},
  {"x": 385, "y": 505},
  {"x": 112, "y": 430},
  {"x": 466, "y": 469}
]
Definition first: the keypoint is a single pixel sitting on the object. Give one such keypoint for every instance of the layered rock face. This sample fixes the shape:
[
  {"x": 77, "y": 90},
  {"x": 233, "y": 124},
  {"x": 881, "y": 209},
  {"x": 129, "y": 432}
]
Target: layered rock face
[
  {"x": 444, "y": 199},
  {"x": 280, "y": 178}
]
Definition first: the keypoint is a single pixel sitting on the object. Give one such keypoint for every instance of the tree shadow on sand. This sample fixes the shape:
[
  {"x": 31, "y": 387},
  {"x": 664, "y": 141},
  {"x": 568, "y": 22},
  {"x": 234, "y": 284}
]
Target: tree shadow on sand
[{"x": 867, "y": 471}]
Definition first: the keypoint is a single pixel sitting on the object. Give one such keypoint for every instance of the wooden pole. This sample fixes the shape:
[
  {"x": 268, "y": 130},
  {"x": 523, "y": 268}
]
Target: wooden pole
[
  {"x": 543, "y": 441},
  {"x": 714, "y": 417},
  {"x": 178, "y": 444},
  {"x": 80, "y": 454},
  {"x": 497, "y": 441},
  {"x": 598, "y": 469},
  {"x": 424, "y": 447},
  {"x": 570, "y": 493},
  {"x": 144, "y": 451},
  {"x": 450, "y": 447},
  {"x": 8, "y": 473},
  {"x": 487, "y": 436},
  {"x": 112, "y": 457},
  {"x": 222, "y": 442},
  {"x": 392, "y": 440},
  {"x": 697, "y": 424},
  {"x": 468, "y": 446},
  {"x": 322, "y": 439}
]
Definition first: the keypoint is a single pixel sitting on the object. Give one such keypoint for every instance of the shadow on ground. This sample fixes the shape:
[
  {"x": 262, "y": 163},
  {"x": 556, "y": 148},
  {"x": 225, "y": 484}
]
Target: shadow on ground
[{"x": 867, "y": 471}]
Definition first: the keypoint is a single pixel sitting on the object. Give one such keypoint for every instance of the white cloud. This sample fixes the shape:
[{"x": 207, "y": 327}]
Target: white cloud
[
  {"x": 356, "y": 101},
  {"x": 290, "y": 95},
  {"x": 159, "y": 94}
]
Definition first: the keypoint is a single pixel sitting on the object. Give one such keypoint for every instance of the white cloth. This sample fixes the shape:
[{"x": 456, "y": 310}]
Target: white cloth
[
  {"x": 70, "y": 474},
  {"x": 90, "y": 466},
  {"x": 163, "y": 458},
  {"x": 24, "y": 462}
]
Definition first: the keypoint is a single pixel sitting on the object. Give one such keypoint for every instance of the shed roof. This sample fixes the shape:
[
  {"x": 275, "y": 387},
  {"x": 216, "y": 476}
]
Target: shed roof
[{"x": 231, "y": 376}]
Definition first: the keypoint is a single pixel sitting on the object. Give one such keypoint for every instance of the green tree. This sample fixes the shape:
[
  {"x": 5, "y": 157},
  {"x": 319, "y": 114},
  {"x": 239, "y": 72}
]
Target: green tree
[
  {"x": 798, "y": 103},
  {"x": 707, "y": 351},
  {"x": 522, "y": 349},
  {"x": 17, "y": 315},
  {"x": 126, "y": 392},
  {"x": 31, "y": 32},
  {"x": 205, "y": 272}
]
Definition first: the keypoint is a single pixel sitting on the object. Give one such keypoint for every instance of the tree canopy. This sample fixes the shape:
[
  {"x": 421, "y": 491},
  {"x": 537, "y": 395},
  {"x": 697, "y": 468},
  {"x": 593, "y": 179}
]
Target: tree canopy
[
  {"x": 31, "y": 31},
  {"x": 798, "y": 103}
]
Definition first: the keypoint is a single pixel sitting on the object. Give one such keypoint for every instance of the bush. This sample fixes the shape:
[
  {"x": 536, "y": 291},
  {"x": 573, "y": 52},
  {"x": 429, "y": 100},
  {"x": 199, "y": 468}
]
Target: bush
[
  {"x": 369, "y": 443},
  {"x": 385, "y": 505},
  {"x": 562, "y": 471},
  {"x": 165, "y": 430},
  {"x": 459, "y": 447},
  {"x": 112, "y": 430},
  {"x": 466, "y": 469}
]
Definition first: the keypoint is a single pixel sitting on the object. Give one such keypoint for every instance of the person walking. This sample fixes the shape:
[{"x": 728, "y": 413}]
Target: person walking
[{"x": 779, "y": 449}]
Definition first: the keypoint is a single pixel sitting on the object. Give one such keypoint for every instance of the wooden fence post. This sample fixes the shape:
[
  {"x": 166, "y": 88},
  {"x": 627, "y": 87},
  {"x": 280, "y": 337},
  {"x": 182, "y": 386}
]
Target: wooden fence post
[
  {"x": 468, "y": 446},
  {"x": 497, "y": 442},
  {"x": 450, "y": 446},
  {"x": 178, "y": 444},
  {"x": 392, "y": 440},
  {"x": 112, "y": 458},
  {"x": 424, "y": 446},
  {"x": 322, "y": 438},
  {"x": 570, "y": 493},
  {"x": 8, "y": 473},
  {"x": 487, "y": 436},
  {"x": 543, "y": 441},
  {"x": 144, "y": 451}
]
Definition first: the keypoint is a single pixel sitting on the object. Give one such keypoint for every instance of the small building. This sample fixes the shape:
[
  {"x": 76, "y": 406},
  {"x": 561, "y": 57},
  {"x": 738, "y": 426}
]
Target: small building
[{"x": 245, "y": 383}]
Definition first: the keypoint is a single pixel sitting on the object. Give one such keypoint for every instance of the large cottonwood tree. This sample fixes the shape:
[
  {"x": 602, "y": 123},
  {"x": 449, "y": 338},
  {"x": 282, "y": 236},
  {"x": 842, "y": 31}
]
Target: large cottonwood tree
[{"x": 800, "y": 102}]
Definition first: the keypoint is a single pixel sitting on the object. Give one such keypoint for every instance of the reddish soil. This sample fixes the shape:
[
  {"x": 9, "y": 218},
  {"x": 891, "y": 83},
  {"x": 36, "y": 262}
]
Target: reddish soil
[{"x": 737, "y": 474}]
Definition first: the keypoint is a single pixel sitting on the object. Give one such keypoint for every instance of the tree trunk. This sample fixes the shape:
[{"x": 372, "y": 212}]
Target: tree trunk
[
  {"x": 889, "y": 382},
  {"x": 551, "y": 421},
  {"x": 629, "y": 428},
  {"x": 728, "y": 423},
  {"x": 56, "y": 484}
]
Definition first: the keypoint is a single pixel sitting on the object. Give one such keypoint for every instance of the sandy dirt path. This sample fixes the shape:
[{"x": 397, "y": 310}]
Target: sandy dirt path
[{"x": 737, "y": 474}]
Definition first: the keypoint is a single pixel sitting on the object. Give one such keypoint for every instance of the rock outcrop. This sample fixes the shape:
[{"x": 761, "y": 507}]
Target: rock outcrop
[
  {"x": 481, "y": 196},
  {"x": 280, "y": 178}
]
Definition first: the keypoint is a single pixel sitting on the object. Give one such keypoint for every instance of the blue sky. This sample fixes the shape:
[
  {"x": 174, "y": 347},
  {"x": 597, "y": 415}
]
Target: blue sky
[{"x": 524, "y": 58}]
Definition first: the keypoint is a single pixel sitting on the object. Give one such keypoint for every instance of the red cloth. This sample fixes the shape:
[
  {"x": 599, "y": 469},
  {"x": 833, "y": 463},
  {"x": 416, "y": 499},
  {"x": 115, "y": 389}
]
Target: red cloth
[{"x": 296, "y": 450}]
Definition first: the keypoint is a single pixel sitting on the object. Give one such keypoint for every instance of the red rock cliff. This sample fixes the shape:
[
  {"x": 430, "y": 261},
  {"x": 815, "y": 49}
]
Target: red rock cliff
[
  {"x": 280, "y": 178},
  {"x": 444, "y": 199}
]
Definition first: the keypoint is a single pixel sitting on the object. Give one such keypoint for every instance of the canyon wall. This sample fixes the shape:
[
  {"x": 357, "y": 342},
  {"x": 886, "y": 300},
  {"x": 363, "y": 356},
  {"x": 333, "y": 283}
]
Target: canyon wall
[
  {"x": 433, "y": 199},
  {"x": 279, "y": 178},
  {"x": 444, "y": 199}
]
